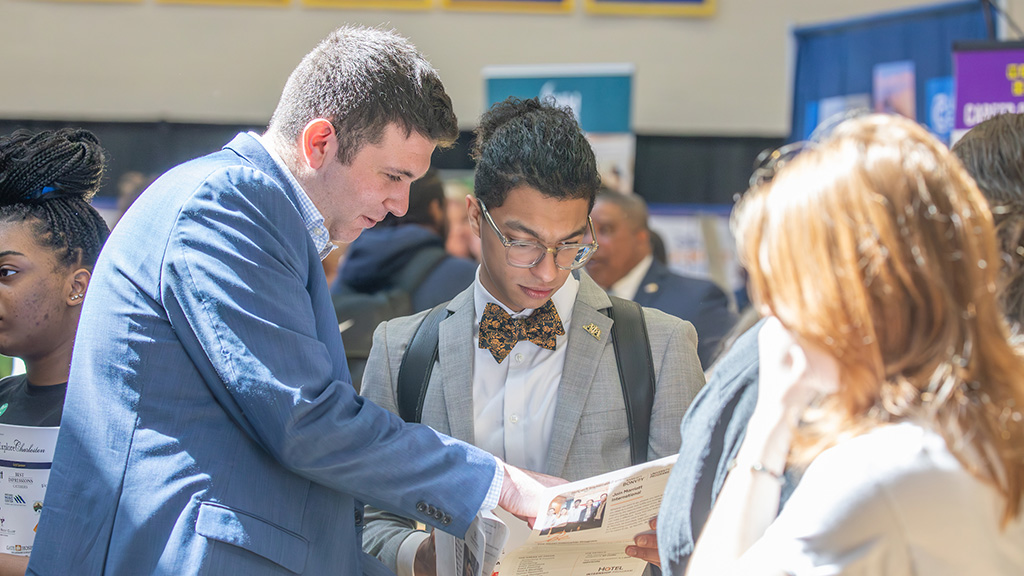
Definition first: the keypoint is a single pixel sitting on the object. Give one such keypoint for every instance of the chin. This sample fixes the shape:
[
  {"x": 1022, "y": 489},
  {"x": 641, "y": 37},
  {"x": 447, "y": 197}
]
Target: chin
[{"x": 346, "y": 236}]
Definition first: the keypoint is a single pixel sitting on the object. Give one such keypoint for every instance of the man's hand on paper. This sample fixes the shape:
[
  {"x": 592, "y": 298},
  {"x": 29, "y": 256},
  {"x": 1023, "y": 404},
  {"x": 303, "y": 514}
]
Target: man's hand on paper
[
  {"x": 521, "y": 492},
  {"x": 426, "y": 558},
  {"x": 646, "y": 547}
]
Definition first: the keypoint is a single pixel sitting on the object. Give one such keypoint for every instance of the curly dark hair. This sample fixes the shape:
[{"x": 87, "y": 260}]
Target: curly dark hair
[
  {"x": 50, "y": 177},
  {"x": 533, "y": 143}
]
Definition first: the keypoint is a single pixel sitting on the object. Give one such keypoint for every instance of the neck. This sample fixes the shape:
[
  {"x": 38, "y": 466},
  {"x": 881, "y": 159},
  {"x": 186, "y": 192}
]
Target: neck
[
  {"x": 635, "y": 262},
  {"x": 51, "y": 368},
  {"x": 284, "y": 151},
  {"x": 627, "y": 269}
]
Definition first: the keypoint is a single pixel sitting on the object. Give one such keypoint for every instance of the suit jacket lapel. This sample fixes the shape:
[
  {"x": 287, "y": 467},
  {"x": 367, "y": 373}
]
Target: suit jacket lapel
[
  {"x": 455, "y": 350},
  {"x": 581, "y": 363}
]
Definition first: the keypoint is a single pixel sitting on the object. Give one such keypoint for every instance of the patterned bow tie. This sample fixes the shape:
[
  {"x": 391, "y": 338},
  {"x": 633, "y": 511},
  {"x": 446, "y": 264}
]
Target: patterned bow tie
[{"x": 500, "y": 332}]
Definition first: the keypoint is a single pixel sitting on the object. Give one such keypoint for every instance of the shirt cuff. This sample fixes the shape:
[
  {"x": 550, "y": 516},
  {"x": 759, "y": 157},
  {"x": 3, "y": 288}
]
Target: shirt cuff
[
  {"x": 494, "y": 493},
  {"x": 406, "y": 558}
]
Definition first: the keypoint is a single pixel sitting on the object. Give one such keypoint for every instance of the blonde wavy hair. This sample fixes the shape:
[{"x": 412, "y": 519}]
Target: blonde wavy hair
[{"x": 876, "y": 246}]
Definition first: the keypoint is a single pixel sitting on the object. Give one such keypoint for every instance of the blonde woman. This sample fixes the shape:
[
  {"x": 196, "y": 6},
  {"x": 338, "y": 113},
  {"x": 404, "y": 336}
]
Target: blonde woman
[{"x": 886, "y": 372}]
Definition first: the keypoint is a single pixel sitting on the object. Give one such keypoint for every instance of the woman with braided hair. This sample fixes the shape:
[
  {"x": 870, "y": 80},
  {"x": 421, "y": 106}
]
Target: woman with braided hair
[{"x": 50, "y": 237}]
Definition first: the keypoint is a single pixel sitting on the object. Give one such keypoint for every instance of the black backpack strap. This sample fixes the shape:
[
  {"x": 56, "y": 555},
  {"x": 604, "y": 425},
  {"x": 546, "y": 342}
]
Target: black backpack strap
[
  {"x": 418, "y": 363},
  {"x": 636, "y": 372},
  {"x": 416, "y": 270}
]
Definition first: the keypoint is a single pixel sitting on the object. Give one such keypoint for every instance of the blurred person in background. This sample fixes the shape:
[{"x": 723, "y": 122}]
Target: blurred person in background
[
  {"x": 625, "y": 266},
  {"x": 460, "y": 240},
  {"x": 376, "y": 259},
  {"x": 993, "y": 154}
]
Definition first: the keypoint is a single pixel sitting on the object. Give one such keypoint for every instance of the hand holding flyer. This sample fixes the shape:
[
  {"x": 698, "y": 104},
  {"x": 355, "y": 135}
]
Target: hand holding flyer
[{"x": 582, "y": 529}]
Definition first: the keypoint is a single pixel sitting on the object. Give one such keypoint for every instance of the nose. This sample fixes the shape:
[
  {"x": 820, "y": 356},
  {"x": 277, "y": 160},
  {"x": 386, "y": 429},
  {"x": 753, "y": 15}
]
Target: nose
[
  {"x": 545, "y": 270},
  {"x": 398, "y": 202}
]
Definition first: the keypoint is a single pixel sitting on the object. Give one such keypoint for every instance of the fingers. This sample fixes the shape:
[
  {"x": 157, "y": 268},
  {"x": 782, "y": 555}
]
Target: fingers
[
  {"x": 646, "y": 544},
  {"x": 425, "y": 563},
  {"x": 521, "y": 492},
  {"x": 545, "y": 479},
  {"x": 646, "y": 547}
]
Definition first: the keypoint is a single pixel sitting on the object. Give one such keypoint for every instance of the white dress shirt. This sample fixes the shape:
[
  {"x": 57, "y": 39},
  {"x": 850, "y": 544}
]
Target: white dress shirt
[
  {"x": 514, "y": 402},
  {"x": 627, "y": 286},
  {"x": 311, "y": 216}
]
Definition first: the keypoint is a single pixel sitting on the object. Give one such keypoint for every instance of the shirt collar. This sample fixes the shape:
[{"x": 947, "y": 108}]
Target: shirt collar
[
  {"x": 627, "y": 286},
  {"x": 564, "y": 299},
  {"x": 312, "y": 217}
]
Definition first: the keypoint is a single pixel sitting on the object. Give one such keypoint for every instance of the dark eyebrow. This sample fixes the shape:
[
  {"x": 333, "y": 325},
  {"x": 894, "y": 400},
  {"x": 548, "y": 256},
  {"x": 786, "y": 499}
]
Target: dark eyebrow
[
  {"x": 10, "y": 253},
  {"x": 519, "y": 226}
]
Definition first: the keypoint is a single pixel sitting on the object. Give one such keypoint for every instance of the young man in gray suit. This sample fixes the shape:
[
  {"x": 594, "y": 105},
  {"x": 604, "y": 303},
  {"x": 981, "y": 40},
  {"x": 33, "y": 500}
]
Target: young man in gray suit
[{"x": 547, "y": 398}]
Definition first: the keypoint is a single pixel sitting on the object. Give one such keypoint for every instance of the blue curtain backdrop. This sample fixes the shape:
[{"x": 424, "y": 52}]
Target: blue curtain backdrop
[{"x": 838, "y": 59}]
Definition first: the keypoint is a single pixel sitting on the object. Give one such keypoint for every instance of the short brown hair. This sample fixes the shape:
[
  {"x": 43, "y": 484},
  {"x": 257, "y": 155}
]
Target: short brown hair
[{"x": 362, "y": 80}]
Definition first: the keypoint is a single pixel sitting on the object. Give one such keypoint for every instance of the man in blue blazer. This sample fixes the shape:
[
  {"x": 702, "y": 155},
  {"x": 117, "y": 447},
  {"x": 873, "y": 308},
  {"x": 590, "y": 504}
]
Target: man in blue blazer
[
  {"x": 211, "y": 427},
  {"x": 625, "y": 267}
]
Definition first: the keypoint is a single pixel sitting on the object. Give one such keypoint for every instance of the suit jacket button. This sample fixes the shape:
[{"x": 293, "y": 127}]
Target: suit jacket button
[
  {"x": 431, "y": 510},
  {"x": 421, "y": 506},
  {"x": 446, "y": 520},
  {"x": 359, "y": 517},
  {"x": 438, "y": 515}
]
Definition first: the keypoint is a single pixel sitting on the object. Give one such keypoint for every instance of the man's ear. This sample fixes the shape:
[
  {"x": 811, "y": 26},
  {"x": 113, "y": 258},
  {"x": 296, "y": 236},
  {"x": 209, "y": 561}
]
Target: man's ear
[
  {"x": 318, "y": 142},
  {"x": 78, "y": 284},
  {"x": 474, "y": 214}
]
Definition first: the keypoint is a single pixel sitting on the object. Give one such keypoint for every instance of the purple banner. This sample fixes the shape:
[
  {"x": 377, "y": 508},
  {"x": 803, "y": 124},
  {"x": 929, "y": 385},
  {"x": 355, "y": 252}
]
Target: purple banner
[{"x": 988, "y": 82}]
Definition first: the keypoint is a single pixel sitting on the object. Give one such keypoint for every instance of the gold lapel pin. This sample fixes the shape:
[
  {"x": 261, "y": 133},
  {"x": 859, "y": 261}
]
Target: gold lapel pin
[
  {"x": 651, "y": 287},
  {"x": 593, "y": 330}
]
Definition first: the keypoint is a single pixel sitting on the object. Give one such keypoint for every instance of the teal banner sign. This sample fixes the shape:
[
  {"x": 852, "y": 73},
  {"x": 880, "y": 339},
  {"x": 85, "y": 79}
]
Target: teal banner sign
[{"x": 599, "y": 95}]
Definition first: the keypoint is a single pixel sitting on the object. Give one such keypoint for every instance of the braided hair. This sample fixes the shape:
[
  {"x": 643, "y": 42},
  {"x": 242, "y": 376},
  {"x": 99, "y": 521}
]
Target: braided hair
[{"x": 50, "y": 177}]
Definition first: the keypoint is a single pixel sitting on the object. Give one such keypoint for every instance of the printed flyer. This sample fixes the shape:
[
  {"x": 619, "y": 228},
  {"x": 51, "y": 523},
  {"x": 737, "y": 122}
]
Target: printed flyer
[
  {"x": 26, "y": 453},
  {"x": 582, "y": 530}
]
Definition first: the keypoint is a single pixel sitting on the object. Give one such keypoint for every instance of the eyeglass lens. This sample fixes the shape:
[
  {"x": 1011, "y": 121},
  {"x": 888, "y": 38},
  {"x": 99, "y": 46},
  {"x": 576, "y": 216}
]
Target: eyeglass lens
[{"x": 566, "y": 257}]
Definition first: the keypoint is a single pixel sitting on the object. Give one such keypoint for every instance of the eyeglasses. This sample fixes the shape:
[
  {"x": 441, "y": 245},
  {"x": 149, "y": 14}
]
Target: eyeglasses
[
  {"x": 526, "y": 254},
  {"x": 770, "y": 161}
]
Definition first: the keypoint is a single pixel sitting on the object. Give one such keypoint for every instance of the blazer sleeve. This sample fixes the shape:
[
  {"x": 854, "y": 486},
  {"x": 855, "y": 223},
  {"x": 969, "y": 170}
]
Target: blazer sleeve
[
  {"x": 384, "y": 531},
  {"x": 679, "y": 378},
  {"x": 235, "y": 283}
]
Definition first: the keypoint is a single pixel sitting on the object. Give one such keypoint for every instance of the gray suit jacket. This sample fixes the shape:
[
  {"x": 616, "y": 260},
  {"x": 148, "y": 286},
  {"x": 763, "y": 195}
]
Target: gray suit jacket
[{"x": 590, "y": 436}]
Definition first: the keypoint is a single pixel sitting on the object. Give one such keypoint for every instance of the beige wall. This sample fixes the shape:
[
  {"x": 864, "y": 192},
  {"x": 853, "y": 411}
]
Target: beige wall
[{"x": 728, "y": 74}]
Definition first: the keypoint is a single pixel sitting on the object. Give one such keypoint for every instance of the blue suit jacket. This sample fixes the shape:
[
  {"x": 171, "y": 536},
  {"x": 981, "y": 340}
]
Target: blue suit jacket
[
  {"x": 210, "y": 427},
  {"x": 700, "y": 302}
]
